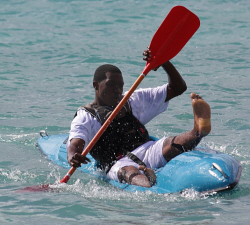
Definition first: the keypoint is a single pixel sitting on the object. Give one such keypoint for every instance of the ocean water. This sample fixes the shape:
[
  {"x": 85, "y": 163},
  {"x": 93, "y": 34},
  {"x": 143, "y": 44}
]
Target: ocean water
[{"x": 49, "y": 50}]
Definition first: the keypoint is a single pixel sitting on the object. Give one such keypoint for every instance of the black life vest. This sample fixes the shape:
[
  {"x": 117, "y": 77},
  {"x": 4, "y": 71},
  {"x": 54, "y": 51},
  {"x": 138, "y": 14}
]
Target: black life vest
[{"x": 122, "y": 135}]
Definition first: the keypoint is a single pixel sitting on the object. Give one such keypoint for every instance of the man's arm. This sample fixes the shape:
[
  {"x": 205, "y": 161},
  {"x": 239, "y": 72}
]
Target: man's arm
[
  {"x": 74, "y": 150},
  {"x": 176, "y": 84}
]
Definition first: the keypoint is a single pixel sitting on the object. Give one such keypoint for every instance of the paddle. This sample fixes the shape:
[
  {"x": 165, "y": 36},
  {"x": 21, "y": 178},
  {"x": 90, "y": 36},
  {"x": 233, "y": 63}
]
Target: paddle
[{"x": 174, "y": 32}]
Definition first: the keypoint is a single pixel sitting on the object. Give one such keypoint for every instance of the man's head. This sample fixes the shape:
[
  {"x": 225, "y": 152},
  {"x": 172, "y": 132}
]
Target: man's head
[
  {"x": 100, "y": 73},
  {"x": 108, "y": 84}
]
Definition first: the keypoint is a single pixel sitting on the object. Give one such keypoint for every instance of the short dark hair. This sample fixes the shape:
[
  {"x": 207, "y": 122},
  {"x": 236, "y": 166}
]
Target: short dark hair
[{"x": 100, "y": 73}]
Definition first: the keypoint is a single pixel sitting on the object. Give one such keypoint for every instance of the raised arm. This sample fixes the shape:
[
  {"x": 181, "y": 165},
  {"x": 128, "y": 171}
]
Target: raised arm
[{"x": 176, "y": 84}]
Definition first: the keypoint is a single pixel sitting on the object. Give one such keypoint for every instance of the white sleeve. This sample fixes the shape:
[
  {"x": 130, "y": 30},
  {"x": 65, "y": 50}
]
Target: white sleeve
[
  {"x": 148, "y": 103},
  {"x": 84, "y": 126}
]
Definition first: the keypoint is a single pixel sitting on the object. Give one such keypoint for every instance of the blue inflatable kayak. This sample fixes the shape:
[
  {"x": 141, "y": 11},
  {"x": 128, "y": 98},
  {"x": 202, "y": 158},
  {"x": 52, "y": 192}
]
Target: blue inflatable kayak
[{"x": 203, "y": 170}]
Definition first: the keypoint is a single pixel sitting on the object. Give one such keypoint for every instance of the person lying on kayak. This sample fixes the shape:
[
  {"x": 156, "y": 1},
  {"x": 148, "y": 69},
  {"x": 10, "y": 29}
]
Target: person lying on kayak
[{"x": 125, "y": 151}]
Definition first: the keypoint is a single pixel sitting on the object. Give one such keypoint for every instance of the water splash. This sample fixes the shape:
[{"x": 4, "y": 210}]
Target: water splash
[
  {"x": 95, "y": 189},
  {"x": 16, "y": 175}
]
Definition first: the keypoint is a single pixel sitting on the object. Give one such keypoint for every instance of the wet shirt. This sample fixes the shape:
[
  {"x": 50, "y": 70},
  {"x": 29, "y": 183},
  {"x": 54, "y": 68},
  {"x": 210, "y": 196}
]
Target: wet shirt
[{"x": 145, "y": 104}]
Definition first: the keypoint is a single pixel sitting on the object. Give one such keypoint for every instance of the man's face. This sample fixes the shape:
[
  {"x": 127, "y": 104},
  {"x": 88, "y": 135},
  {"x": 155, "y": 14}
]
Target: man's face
[{"x": 110, "y": 90}]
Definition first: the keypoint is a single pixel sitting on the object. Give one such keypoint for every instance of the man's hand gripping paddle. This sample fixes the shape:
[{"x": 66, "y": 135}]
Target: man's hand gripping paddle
[{"x": 174, "y": 32}]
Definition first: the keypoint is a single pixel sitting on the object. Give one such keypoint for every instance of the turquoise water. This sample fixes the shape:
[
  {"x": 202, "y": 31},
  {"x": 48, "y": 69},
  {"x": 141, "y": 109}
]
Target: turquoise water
[{"x": 49, "y": 50}]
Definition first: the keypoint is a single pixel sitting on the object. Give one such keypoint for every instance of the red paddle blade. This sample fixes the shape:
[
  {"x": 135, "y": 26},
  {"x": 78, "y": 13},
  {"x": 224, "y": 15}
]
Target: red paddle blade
[
  {"x": 43, "y": 188},
  {"x": 36, "y": 188},
  {"x": 172, "y": 35}
]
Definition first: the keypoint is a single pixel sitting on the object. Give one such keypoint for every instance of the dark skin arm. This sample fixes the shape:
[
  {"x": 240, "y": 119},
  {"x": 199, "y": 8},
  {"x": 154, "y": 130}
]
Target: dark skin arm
[
  {"x": 176, "y": 84},
  {"x": 74, "y": 153}
]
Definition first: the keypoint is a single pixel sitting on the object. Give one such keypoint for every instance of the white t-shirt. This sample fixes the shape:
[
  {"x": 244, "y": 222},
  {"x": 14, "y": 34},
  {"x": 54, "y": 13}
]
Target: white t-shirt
[{"x": 145, "y": 104}]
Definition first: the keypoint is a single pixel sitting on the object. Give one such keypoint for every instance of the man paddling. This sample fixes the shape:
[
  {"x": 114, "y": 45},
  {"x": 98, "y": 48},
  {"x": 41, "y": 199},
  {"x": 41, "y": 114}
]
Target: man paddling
[{"x": 125, "y": 151}]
